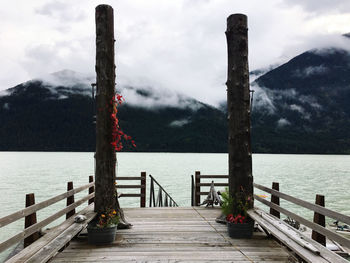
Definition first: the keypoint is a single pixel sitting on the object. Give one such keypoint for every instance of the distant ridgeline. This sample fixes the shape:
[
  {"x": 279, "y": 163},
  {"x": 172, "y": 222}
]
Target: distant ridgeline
[
  {"x": 302, "y": 106},
  {"x": 44, "y": 115}
]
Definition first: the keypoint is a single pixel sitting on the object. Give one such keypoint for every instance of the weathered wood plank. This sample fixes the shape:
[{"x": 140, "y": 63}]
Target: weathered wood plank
[
  {"x": 130, "y": 186},
  {"x": 307, "y": 255},
  {"x": 154, "y": 255},
  {"x": 316, "y": 208},
  {"x": 180, "y": 235},
  {"x": 48, "y": 251},
  {"x": 41, "y": 242},
  {"x": 30, "y": 230},
  {"x": 328, "y": 233},
  {"x": 128, "y": 178},
  {"x": 214, "y": 176},
  {"x": 324, "y": 252}
]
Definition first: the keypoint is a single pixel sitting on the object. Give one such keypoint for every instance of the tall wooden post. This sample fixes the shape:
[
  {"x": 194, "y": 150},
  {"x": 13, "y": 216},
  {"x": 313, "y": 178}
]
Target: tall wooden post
[
  {"x": 238, "y": 106},
  {"x": 105, "y": 71}
]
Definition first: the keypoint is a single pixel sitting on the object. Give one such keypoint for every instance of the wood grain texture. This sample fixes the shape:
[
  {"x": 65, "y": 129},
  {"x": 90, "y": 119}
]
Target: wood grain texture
[
  {"x": 319, "y": 209},
  {"x": 28, "y": 252},
  {"x": 175, "y": 235}
]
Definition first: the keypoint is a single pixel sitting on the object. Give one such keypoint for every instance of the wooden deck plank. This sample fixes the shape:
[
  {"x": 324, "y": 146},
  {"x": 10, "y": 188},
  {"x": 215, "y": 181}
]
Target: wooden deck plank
[{"x": 175, "y": 235}]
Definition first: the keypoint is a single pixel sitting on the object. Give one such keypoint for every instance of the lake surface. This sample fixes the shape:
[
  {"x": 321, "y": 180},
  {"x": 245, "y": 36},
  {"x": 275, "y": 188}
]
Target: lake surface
[{"x": 47, "y": 173}]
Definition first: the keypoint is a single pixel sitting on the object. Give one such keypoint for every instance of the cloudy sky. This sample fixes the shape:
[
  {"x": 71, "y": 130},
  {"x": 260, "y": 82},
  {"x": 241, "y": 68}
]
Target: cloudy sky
[{"x": 174, "y": 44}]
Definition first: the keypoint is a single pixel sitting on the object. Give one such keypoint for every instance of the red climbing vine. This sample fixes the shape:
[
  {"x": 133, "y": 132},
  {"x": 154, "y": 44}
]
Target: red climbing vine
[{"x": 117, "y": 134}]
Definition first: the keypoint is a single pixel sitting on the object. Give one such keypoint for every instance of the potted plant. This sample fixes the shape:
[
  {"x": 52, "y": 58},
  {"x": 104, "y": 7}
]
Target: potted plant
[
  {"x": 239, "y": 224},
  {"x": 102, "y": 230}
]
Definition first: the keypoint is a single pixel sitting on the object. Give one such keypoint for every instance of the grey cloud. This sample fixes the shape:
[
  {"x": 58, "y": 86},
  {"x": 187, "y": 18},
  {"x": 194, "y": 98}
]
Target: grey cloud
[
  {"x": 6, "y": 106},
  {"x": 4, "y": 93},
  {"x": 63, "y": 83},
  {"x": 312, "y": 101},
  {"x": 156, "y": 97},
  {"x": 321, "y": 6},
  {"x": 310, "y": 71},
  {"x": 179, "y": 123},
  {"x": 297, "y": 108},
  {"x": 263, "y": 99},
  {"x": 282, "y": 123},
  {"x": 62, "y": 11}
]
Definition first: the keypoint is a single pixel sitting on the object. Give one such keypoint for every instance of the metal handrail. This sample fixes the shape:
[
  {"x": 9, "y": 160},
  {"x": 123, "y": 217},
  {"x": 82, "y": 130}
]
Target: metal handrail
[{"x": 168, "y": 201}]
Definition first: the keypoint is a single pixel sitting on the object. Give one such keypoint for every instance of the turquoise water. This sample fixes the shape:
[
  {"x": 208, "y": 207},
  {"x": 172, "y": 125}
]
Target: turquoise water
[{"x": 46, "y": 175}]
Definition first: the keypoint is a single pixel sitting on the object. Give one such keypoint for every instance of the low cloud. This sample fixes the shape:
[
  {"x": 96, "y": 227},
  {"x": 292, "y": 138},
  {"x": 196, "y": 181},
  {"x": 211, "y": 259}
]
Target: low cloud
[
  {"x": 63, "y": 83},
  {"x": 153, "y": 98},
  {"x": 311, "y": 71},
  {"x": 312, "y": 101},
  {"x": 179, "y": 123},
  {"x": 4, "y": 93},
  {"x": 268, "y": 100},
  {"x": 282, "y": 123},
  {"x": 297, "y": 108},
  {"x": 263, "y": 99},
  {"x": 6, "y": 106}
]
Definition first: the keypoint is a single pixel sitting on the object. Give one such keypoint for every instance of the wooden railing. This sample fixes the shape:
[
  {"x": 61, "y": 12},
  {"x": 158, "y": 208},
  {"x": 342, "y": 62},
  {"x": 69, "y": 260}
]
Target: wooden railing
[
  {"x": 141, "y": 186},
  {"x": 320, "y": 212},
  {"x": 197, "y": 184},
  {"x": 320, "y": 232},
  {"x": 163, "y": 198},
  {"x": 31, "y": 232},
  {"x": 32, "y": 228}
]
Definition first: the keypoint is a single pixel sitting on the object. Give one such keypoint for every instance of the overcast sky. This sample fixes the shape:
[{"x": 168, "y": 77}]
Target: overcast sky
[{"x": 175, "y": 44}]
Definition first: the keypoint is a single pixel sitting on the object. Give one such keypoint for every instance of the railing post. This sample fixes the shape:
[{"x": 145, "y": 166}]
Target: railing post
[
  {"x": 197, "y": 188},
  {"x": 275, "y": 200},
  {"x": 30, "y": 220},
  {"x": 91, "y": 189},
  {"x": 151, "y": 194},
  {"x": 70, "y": 200},
  {"x": 192, "y": 191},
  {"x": 143, "y": 190},
  {"x": 321, "y": 220}
]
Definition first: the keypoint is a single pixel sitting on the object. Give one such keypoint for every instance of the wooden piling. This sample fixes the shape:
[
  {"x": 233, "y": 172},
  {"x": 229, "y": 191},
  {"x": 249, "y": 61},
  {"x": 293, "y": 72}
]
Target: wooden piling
[
  {"x": 197, "y": 196},
  {"x": 91, "y": 189},
  {"x": 238, "y": 107},
  {"x": 143, "y": 190},
  {"x": 30, "y": 220},
  {"x": 319, "y": 219},
  {"x": 275, "y": 200},
  {"x": 70, "y": 200},
  {"x": 105, "y": 71}
]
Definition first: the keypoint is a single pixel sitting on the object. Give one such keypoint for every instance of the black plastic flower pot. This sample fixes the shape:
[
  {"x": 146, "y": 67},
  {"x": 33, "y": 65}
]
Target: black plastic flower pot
[
  {"x": 101, "y": 236},
  {"x": 244, "y": 230}
]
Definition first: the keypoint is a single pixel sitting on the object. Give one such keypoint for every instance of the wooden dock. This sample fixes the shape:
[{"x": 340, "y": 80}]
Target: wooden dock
[{"x": 175, "y": 235}]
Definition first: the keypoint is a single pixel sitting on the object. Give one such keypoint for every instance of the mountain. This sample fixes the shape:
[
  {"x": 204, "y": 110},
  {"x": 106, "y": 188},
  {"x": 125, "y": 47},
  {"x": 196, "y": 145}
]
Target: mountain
[
  {"x": 303, "y": 105},
  {"x": 55, "y": 113}
]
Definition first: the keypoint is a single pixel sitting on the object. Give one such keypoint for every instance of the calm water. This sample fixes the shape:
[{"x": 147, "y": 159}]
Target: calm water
[{"x": 46, "y": 174}]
